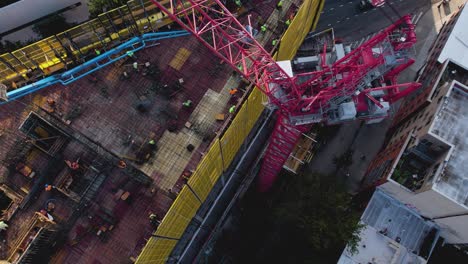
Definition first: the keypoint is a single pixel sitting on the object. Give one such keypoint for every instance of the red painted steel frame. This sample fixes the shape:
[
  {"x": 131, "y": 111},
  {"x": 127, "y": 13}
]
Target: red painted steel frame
[
  {"x": 281, "y": 144},
  {"x": 212, "y": 24}
]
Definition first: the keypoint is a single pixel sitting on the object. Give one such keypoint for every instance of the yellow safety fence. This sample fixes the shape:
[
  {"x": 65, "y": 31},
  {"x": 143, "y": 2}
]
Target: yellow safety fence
[
  {"x": 80, "y": 42},
  {"x": 305, "y": 20},
  {"x": 223, "y": 150}
]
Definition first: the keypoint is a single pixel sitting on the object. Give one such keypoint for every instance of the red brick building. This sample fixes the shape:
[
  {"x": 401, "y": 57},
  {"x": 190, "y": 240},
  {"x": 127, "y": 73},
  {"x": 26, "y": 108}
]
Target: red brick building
[{"x": 413, "y": 115}]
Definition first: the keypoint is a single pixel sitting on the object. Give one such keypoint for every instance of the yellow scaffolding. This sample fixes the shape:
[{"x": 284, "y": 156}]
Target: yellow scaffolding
[
  {"x": 78, "y": 43},
  {"x": 305, "y": 20}
]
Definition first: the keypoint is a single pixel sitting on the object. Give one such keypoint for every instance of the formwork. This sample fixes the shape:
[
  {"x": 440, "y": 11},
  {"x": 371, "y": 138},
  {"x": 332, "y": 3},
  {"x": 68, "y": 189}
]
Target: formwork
[{"x": 223, "y": 149}]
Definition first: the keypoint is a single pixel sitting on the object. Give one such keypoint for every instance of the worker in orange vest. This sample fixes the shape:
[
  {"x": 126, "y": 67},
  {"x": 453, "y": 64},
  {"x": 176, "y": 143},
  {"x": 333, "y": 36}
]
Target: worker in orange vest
[
  {"x": 232, "y": 91},
  {"x": 122, "y": 164}
]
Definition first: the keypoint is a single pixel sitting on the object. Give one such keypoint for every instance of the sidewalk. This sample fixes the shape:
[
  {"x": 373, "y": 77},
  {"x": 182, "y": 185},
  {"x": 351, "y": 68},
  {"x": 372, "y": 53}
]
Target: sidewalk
[{"x": 368, "y": 139}]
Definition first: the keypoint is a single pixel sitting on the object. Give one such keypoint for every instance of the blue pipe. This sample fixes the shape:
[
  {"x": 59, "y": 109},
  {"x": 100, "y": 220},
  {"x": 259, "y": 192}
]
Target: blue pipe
[{"x": 74, "y": 74}]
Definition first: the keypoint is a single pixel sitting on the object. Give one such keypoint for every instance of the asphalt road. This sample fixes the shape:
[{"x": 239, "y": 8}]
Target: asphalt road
[{"x": 351, "y": 24}]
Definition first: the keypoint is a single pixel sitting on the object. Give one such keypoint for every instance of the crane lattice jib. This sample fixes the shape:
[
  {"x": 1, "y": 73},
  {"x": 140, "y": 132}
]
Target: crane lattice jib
[
  {"x": 213, "y": 24},
  {"x": 398, "y": 38}
]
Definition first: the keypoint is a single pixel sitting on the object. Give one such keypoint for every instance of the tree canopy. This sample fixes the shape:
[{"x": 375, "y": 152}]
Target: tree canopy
[
  {"x": 51, "y": 26},
  {"x": 306, "y": 219},
  {"x": 320, "y": 208},
  {"x": 97, "y": 7}
]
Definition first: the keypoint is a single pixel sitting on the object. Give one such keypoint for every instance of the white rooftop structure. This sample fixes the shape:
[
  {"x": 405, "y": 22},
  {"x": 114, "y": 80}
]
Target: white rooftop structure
[
  {"x": 451, "y": 126},
  {"x": 393, "y": 233},
  {"x": 379, "y": 250},
  {"x": 287, "y": 67},
  {"x": 457, "y": 43}
]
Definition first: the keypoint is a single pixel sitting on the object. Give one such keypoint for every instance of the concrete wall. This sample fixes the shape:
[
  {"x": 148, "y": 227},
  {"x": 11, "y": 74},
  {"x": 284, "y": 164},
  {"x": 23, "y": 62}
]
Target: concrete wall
[
  {"x": 430, "y": 203},
  {"x": 454, "y": 229}
]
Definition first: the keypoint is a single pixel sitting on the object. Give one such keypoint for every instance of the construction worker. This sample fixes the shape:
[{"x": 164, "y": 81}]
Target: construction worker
[
  {"x": 154, "y": 220},
  {"x": 51, "y": 102},
  {"x": 232, "y": 91},
  {"x": 279, "y": 6},
  {"x": 263, "y": 28},
  {"x": 130, "y": 54},
  {"x": 74, "y": 165},
  {"x": 122, "y": 164},
  {"x": 125, "y": 75},
  {"x": 240, "y": 68},
  {"x": 238, "y": 3},
  {"x": 187, "y": 103},
  {"x": 152, "y": 142},
  {"x": 3, "y": 225},
  {"x": 135, "y": 66},
  {"x": 288, "y": 22},
  {"x": 274, "y": 42},
  {"x": 49, "y": 187},
  {"x": 98, "y": 52},
  {"x": 232, "y": 109}
]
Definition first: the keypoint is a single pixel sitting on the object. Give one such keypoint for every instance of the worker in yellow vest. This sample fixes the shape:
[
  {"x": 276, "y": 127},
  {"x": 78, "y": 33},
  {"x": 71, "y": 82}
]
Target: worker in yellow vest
[
  {"x": 279, "y": 6},
  {"x": 274, "y": 42}
]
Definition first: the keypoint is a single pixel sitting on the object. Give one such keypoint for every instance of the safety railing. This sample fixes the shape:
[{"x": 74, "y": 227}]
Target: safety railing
[
  {"x": 81, "y": 43},
  {"x": 129, "y": 47}
]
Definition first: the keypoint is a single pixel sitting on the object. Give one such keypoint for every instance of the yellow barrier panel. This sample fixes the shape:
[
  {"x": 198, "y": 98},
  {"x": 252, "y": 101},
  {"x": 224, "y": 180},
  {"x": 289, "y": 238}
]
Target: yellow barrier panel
[
  {"x": 117, "y": 24},
  {"x": 241, "y": 125},
  {"x": 306, "y": 17},
  {"x": 207, "y": 172},
  {"x": 156, "y": 251},
  {"x": 223, "y": 150}
]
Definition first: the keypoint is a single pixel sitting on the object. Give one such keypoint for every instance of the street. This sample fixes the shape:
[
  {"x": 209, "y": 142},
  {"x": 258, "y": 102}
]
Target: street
[{"x": 351, "y": 24}]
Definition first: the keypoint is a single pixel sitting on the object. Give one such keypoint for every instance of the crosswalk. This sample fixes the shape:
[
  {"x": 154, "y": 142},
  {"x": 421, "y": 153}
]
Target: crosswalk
[{"x": 414, "y": 19}]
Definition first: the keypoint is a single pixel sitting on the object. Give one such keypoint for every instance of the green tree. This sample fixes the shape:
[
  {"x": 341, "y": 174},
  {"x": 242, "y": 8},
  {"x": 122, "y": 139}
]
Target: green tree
[
  {"x": 320, "y": 209},
  {"x": 51, "y": 26},
  {"x": 97, "y": 7},
  {"x": 345, "y": 160}
]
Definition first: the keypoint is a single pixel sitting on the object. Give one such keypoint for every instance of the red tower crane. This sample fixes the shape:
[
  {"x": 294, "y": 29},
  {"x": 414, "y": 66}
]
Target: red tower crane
[{"x": 334, "y": 94}]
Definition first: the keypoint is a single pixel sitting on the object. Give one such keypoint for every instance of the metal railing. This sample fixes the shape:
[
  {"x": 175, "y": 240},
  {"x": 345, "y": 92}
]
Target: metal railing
[{"x": 80, "y": 44}]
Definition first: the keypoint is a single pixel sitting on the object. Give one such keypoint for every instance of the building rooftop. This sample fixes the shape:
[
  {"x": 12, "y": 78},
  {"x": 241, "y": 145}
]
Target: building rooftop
[
  {"x": 393, "y": 232},
  {"x": 457, "y": 42},
  {"x": 451, "y": 125}
]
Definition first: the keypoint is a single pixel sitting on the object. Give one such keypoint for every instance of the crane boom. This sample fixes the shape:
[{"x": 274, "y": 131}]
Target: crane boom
[
  {"x": 214, "y": 26},
  {"x": 306, "y": 98}
]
